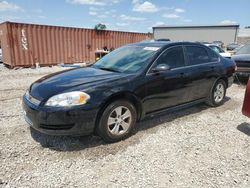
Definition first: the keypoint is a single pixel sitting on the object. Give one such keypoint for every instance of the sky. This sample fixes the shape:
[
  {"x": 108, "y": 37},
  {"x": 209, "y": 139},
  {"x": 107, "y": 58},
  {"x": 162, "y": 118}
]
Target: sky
[{"x": 126, "y": 15}]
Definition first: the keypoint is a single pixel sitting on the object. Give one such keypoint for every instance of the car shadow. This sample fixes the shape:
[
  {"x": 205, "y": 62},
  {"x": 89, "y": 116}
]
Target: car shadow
[
  {"x": 151, "y": 124},
  {"x": 65, "y": 143},
  {"x": 245, "y": 128}
]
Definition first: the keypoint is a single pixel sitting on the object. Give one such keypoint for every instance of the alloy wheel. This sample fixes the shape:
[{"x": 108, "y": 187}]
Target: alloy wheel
[
  {"x": 219, "y": 93},
  {"x": 119, "y": 120}
]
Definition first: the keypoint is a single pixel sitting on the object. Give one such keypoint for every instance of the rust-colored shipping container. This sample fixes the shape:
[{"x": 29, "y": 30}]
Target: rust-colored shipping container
[{"x": 28, "y": 44}]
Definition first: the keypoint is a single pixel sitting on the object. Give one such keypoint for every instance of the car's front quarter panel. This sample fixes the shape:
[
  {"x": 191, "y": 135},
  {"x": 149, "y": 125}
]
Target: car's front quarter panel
[
  {"x": 101, "y": 92},
  {"x": 78, "y": 120}
]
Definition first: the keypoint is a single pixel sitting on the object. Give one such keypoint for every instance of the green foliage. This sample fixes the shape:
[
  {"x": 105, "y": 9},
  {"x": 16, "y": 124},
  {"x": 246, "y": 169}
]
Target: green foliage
[{"x": 100, "y": 27}]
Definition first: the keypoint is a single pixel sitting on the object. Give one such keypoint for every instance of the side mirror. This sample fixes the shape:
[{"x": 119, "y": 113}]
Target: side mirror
[{"x": 161, "y": 68}]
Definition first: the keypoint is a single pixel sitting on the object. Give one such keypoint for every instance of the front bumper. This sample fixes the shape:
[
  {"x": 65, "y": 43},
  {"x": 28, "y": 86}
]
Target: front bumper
[{"x": 72, "y": 122}]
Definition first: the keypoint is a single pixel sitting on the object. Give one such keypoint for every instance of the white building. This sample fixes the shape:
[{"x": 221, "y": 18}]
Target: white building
[{"x": 207, "y": 33}]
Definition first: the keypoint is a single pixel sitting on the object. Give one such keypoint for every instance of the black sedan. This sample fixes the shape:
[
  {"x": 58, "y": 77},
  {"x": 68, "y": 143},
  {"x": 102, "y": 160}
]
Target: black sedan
[
  {"x": 125, "y": 86},
  {"x": 242, "y": 59}
]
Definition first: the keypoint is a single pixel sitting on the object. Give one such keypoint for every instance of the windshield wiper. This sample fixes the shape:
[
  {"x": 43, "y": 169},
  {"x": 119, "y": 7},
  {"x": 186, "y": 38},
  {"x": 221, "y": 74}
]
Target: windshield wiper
[{"x": 109, "y": 69}]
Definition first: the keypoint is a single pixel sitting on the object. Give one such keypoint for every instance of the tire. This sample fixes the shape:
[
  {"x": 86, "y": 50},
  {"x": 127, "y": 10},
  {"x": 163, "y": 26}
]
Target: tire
[
  {"x": 217, "y": 94},
  {"x": 117, "y": 121}
]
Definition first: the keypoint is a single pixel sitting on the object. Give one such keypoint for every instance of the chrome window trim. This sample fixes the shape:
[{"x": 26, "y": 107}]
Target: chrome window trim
[
  {"x": 188, "y": 66},
  {"x": 185, "y": 66},
  {"x": 148, "y": 72},
  {"x": 206, "y": 48}
]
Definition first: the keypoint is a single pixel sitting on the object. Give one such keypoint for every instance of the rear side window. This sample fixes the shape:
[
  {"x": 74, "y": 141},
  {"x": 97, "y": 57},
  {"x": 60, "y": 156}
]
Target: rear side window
[
  {"x": 213, "y": 55},
  {"x": 216, "y": 49},
  {"x": 197, "y": 55},
  {"x": 173, "y": 57}
]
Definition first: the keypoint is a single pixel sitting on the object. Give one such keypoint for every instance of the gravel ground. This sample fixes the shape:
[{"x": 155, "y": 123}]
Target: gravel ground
[{"x": 195, "y": 147}]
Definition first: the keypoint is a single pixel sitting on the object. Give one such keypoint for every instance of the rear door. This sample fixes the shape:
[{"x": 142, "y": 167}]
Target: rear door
[{"x": 205, "y": 69}]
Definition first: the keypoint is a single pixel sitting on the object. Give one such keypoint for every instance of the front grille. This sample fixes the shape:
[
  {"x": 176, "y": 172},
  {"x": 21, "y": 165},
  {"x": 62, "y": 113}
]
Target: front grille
[
  {"x": 32, "y": 99},
  {"x": 57, "y": 127}
]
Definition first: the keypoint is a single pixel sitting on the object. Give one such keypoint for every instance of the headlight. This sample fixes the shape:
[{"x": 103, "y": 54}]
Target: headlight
[{"x": 68, "y": 99}]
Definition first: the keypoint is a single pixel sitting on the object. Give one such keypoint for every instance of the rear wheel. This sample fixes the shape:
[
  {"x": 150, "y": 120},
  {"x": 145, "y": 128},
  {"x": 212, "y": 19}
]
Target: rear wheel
[
  {"x": 217, "y": 94},
  {"x": 117, "y": 121}
]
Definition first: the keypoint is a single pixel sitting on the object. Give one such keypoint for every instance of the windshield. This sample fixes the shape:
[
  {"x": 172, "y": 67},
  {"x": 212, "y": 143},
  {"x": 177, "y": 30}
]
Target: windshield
[
  {"x": 244, "y": 50},
  {"x": 127, "y": 59}
]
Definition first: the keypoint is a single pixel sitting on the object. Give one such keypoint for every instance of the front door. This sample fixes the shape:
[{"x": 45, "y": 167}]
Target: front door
[{"x": 168, "y": 88}]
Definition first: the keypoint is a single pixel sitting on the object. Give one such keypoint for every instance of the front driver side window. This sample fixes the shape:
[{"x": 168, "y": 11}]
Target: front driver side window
[{"x": 173, "y": 57}]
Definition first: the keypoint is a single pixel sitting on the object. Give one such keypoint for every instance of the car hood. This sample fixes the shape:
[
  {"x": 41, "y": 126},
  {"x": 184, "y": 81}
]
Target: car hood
[
  {"x": 241, "y": 57},
  {"x": 70, "y": 80}
]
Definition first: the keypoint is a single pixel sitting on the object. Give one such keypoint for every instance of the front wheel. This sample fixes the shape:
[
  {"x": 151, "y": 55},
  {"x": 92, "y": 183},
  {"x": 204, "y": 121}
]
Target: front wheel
[
  {"x": 117, "y": 121},
  {"x": 217, "y": 94}
]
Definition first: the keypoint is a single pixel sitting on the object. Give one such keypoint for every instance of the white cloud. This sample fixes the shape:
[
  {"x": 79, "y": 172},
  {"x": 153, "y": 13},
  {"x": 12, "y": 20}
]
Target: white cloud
[
  {"x": 101, "y": 16},
  {"x": 187, "y": 20},
  {"x": 38, "y": 11},
  {"x": 159, "y": 23},
  {"x": 131, "y": 18},
  {"x": 93, "y": 8},
  {"x": 149, "y": 29},
  {"x": 42, "y": 17},
  {"x": 100, "y": 12},
  {"x": 110, "y": 12},
  {"x": 175, "y": 13},
  {"x": 144, "y": 7},
  {"x": 225, "y": 22},
  {"x": 122, "y": 24},
  {"x": 113, "y": 28},
  {"x": 172, "y": 16},
  {"x": 87, "y": 2},
  {"x": 134, "y": 31},
  {"x": 5, "y": 18},
  {"x": 135, "y": 1},
  {"x": 92, "y": 13},
  {"x": 6, "y": 6},
  {"x": 93, "y": 2},
  {"x": 179, "y": 10}
]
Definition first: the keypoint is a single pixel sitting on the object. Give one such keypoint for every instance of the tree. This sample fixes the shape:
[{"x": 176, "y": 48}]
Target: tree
[{"x": 100, "y": 27}]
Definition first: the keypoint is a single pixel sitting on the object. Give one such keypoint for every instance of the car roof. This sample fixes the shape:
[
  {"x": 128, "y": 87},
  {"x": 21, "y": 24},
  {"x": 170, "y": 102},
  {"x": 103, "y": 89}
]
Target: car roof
[
  {"x": 163, "y": 44},
  {"x": 212, "y": 45}
]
